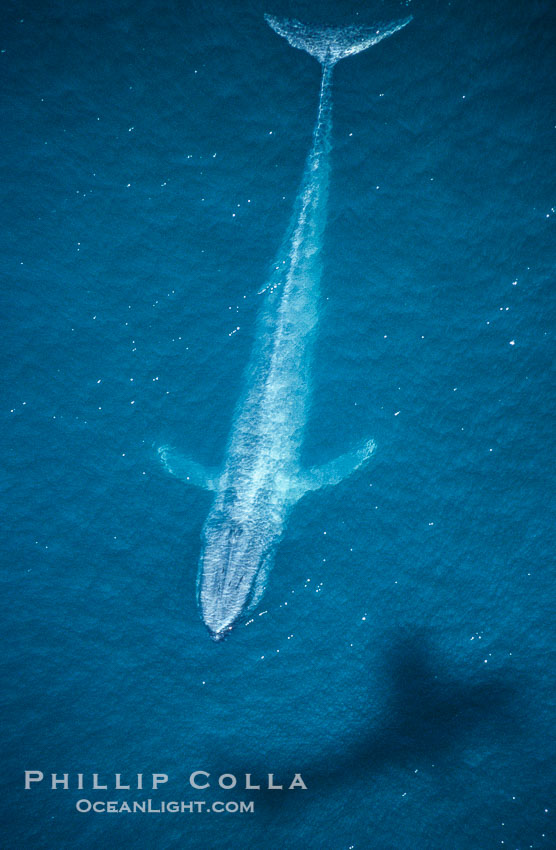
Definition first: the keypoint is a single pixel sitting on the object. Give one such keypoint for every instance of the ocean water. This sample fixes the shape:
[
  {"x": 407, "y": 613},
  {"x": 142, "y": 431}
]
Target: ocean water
[{"x": 402, "y": 659}]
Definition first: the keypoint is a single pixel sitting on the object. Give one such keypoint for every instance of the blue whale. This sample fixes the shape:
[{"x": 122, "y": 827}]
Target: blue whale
[{"x": 262, "y": 477}]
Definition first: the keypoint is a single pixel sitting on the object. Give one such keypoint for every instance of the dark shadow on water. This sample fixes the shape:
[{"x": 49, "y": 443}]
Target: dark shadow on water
[{"x": 427, "y": 714}]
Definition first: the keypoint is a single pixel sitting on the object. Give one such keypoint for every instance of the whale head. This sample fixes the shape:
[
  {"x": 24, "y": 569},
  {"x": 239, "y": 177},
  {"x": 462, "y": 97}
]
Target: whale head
[{"x": 232, "y": 573}]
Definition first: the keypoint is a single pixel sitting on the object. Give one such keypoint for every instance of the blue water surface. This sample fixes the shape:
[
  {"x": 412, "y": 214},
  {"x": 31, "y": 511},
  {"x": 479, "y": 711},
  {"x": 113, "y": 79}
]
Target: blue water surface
[{"x": 402, "y": 659}]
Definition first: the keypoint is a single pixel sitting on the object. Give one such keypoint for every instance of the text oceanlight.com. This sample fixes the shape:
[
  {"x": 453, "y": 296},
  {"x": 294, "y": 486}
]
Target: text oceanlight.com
[{"x": 163, "y": 807}]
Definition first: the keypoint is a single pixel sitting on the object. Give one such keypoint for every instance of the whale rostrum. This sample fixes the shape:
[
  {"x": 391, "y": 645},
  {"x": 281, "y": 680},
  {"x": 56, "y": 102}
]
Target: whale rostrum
[{"x": 262, "y": 477}]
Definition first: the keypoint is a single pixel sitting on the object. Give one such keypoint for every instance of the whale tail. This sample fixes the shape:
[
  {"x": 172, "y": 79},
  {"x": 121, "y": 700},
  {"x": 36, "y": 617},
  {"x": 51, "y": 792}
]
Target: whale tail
[{"x": 330, "y": 44}]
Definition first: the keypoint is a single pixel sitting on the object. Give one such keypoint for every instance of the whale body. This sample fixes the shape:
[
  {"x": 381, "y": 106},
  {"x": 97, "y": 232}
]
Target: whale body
[{"x": 262, "y": 477}]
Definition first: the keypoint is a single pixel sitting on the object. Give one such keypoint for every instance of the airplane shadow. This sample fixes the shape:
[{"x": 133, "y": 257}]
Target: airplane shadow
[{"x": 427, "y": 714}]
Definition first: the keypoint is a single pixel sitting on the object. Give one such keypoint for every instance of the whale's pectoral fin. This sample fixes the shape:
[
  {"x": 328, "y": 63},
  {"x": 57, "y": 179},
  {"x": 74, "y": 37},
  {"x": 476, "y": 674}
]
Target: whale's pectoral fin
[
  {"x": 336, "y": 470},
  {"x": 188, "y": 470}
]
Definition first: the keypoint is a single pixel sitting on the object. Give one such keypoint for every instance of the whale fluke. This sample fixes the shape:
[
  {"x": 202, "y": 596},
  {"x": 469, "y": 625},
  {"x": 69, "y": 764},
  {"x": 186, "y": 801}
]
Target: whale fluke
[{"x": 330, "y": 44}]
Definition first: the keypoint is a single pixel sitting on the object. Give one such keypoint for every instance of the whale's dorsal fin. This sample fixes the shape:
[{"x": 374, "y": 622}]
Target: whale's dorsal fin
[
  {"x": 330, "y": 44},
  {"x": 334, "y": 471},
  {"x": 188, "y": 470}
]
